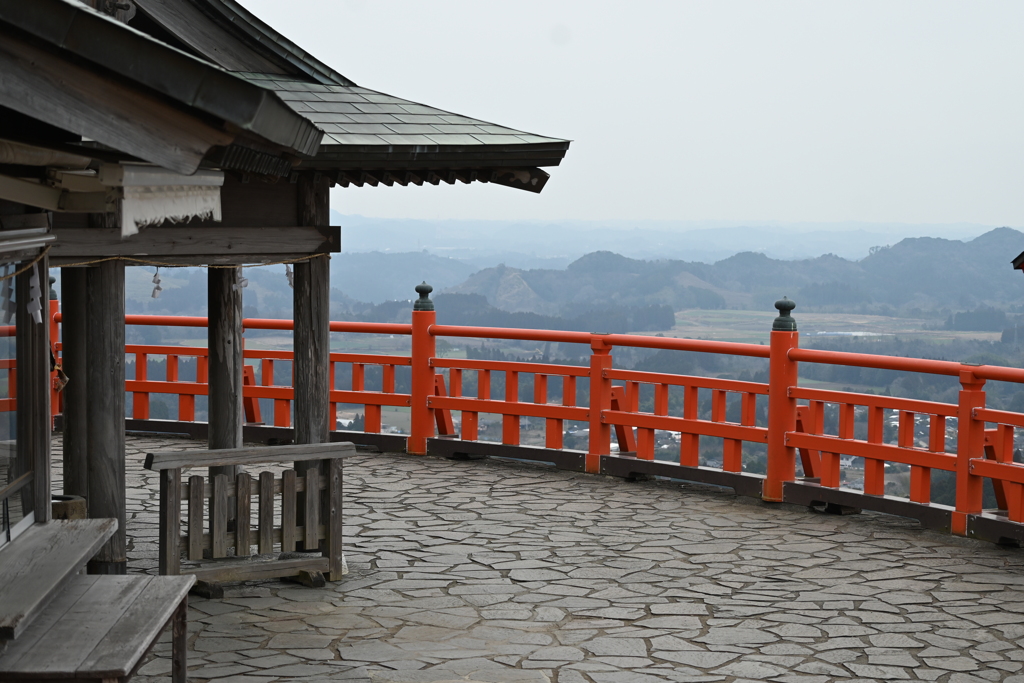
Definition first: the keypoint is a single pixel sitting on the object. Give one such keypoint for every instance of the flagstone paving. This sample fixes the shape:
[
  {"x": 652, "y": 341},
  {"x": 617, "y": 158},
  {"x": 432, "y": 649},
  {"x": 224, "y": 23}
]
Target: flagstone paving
[{"x": 495, "y": 571}]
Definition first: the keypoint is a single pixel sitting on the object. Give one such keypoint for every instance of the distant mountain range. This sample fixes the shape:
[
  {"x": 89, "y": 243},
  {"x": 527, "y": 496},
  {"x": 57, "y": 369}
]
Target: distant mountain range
[
  {"x": 556, "y": 244},
  {"x": 924, "y": 273}
]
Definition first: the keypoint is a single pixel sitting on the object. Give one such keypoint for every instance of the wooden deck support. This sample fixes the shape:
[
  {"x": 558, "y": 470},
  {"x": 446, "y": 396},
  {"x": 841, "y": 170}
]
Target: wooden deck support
[
  {"x": 76, "y": 393},
  {"x": 104, "y": 285},
  {"x": 33, "y": 384}
]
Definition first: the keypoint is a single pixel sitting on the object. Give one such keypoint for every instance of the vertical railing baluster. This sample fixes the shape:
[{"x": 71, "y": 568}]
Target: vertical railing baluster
[
  {"x": 874, "y": 469},
  {"x": 288, "y": 501},
  {"x": 510, "y": 423},
  {"x": 196, "y": 498},
  {"x": 140, "y": 399},
  {"x": 266, "y": 513},
  {"x": 689, "y": 444},
  {"x": 243, "y": 512}
]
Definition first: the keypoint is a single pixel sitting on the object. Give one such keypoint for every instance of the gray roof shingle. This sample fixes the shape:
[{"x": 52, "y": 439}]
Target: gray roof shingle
[{"x": 351, "y": 115}]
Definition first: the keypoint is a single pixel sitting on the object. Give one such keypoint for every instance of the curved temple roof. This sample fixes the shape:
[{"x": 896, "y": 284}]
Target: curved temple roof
[
  {"x": 71, "y": 34},
  {"x": 370, "y": 136}
]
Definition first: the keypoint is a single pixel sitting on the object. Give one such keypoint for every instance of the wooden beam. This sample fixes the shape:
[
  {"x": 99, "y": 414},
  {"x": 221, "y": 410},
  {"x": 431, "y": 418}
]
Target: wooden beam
[
  {"x": 104, "y": 286},
  {"x": 169, "y": 242},
  {"x": 33, "y": 383},
  {"x": 76, "y": 394},
  {"x": 62, "y": 93}
]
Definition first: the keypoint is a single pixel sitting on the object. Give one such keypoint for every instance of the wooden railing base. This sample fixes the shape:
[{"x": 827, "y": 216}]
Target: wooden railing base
[
  {"x": 995, "y": 529},
  {"x": 629, "y": 467},
  {"x": 459, "y": 449},
  {"x": 937, "y": 517},
  {"x": 256, "y": 567}
]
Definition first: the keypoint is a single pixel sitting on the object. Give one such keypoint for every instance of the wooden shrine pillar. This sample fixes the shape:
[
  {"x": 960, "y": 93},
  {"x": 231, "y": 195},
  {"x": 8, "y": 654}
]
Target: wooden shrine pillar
[
  {"x": 224, "y": 298},
  {"x": 104, "y": 295},
  {"x": 33, "y": 385},
  {"x": 76, "y": 393},
  {"x": 312, "y": 336}
]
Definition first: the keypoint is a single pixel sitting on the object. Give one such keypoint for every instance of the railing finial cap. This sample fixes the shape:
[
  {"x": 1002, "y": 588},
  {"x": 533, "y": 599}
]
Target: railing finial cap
[
  {"x": 423, "y": 303},
  {"x": 784, "y": 322}
]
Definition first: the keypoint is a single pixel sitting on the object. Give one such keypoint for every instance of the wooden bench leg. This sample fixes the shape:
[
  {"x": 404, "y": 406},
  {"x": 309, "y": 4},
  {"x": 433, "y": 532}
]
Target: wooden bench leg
[{"x": 179, "y": 643}]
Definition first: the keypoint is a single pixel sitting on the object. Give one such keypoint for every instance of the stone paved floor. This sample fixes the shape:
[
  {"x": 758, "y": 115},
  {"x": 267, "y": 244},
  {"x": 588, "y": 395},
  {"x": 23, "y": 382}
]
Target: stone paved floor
[{"x": 491, "y": 571}]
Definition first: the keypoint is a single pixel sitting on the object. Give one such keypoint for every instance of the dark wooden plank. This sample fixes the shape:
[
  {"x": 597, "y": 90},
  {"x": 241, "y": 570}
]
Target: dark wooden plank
[
  {"x": 138, "y": 628},
  {"x": 167, "y": 243},
  {"x": 248, "y": 456},
  {"x": 288, "y": 503},
  {"x": 195, "y": 517},
  {"x": 242, "y": 514},
  {"x": 219, "y": 516},
  {"x": 36, "y": 565},
  {"x": 76, "y": 395},
  {"x": 312, "y": 517},
  {"x": 266, "y": 528},
  {"x": 79, "y": 99},
  {"x": 33, "y": 385},
  {"x": 170, "y": 522},
  {"x": 333, "y": 540},
  {"x": 88, "y": 621},
  {"x": 232, "y": 570},
  {"x": 105, "y": 431}
]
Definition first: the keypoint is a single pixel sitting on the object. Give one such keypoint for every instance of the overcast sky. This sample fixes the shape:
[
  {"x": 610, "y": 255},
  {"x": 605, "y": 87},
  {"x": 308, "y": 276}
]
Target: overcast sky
[{"x": 907, "y": 112}]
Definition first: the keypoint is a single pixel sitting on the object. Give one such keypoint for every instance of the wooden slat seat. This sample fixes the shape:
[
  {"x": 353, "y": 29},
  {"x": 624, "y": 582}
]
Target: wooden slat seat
[
  {"x": 99, "y": 628},
  {"x": 35, "y": 566}
]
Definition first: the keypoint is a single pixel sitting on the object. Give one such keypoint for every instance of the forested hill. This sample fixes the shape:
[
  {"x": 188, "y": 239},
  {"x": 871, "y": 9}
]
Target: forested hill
[{"x": 925, "y": 273}]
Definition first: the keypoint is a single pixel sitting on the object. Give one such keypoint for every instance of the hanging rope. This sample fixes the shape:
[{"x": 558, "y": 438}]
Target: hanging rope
[{"x": 28, "y": 265}]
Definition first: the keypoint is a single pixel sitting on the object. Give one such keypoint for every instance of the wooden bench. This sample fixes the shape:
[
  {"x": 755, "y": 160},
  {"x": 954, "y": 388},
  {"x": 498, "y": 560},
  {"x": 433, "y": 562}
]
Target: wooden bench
[
  {"x": 217, "y": 554},
  {"x": 98, "y": 628},
  {"x": 35, "y": 567}
]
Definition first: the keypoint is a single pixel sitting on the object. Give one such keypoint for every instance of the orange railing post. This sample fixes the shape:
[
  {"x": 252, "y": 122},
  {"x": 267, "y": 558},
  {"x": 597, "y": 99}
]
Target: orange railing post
[
  {"x": 600, "y": 400},
  {"x": 424, "y": 346},
  {"x": 970, "y": 443},
  {"x": 56, "y": 404},
  {"x": 782, "y": 375}
]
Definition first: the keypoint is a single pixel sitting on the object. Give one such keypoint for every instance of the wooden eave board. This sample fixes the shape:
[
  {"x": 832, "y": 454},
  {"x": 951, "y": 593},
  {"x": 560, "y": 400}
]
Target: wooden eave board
[
  {"x": 34, "y": 566},
  {"x": 189, "y": 24},
  {"x": 353, "y": 117},
  {"x": 100, "y": 627}
]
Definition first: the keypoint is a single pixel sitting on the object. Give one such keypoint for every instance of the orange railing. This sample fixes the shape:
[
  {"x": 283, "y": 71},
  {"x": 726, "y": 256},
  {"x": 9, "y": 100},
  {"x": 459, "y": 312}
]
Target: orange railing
[{"x": 780, "y": 418}]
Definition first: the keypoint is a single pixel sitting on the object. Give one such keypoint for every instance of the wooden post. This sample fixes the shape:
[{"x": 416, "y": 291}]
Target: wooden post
[
  {"x": 599, "y": 443},
  {"x": 104, "y": 285},
  {"x": 170, "y": 522},
  {"x": 76, "y": 393},
  {"x": 970, "y": 443},
  {"x": 226, "y": 418},
  {"x": 424, "y": 347},
  {"x": 312, "y": 337},
  {"x": 782, "y": 375},
  {"x": 224, "y": 341},
  {"x": 33, "y": 387}
]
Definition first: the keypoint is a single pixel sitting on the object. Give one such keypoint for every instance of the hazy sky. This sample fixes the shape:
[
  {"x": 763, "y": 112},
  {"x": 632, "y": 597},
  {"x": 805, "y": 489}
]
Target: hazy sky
[{"x": 728, "y": 110}]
